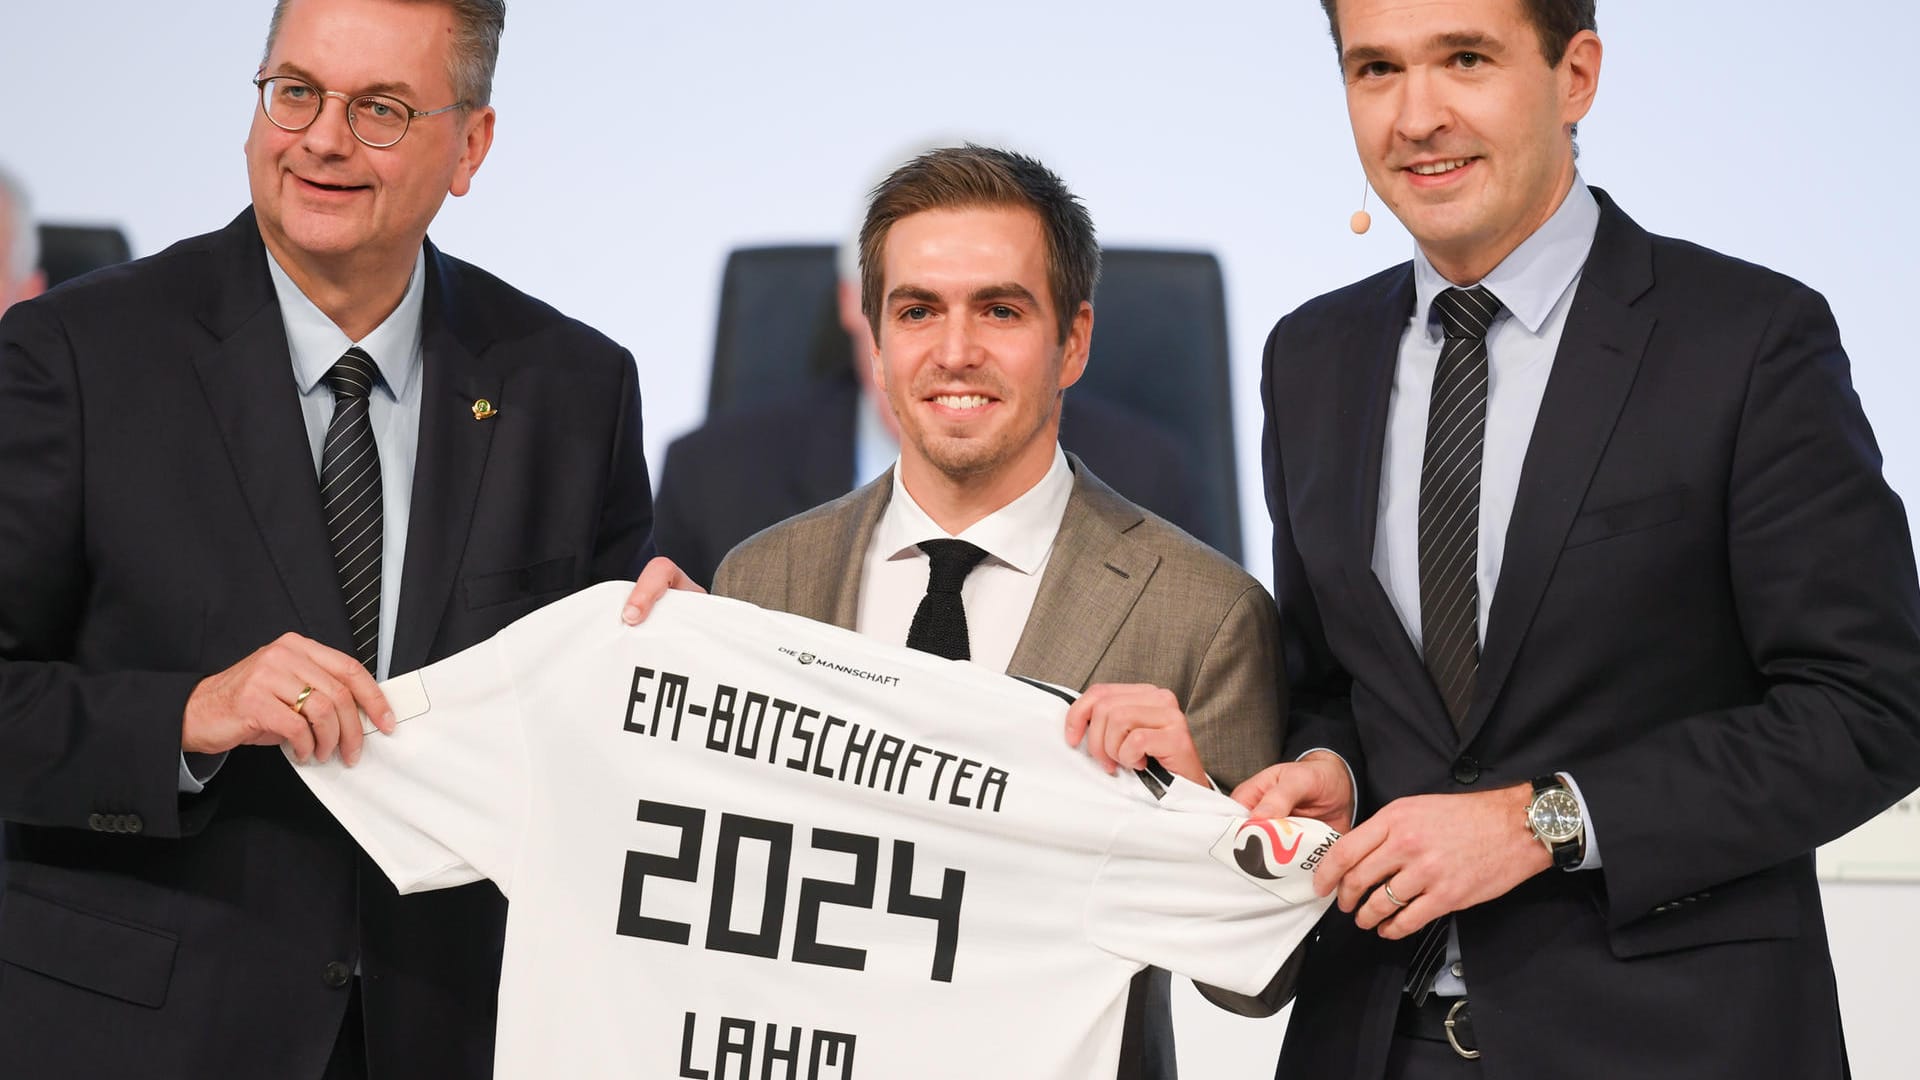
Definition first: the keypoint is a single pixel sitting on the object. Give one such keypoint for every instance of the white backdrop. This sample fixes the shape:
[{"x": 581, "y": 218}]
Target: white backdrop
[{"x": 639, "y": 141}]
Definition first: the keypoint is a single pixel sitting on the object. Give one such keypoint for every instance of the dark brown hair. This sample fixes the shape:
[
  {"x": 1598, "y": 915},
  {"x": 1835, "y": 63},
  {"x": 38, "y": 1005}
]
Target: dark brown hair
[
  {"x": 961, "y": 177},
  {"x": 1555, "y": 21}
]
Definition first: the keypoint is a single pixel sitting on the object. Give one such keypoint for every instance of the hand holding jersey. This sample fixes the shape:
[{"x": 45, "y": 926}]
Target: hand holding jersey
[
  {"x": 962, "y": 892},
  {"x": 1128, "y": 723},
  {"x": 292, "y": 691}
]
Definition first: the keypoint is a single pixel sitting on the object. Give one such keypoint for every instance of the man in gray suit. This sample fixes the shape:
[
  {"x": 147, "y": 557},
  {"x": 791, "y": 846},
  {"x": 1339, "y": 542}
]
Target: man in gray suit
[{"x": 986, "y": 541}]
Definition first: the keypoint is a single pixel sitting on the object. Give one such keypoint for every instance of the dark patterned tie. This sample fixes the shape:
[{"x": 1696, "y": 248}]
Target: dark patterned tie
[
  {"x": 1450, "y": 539},
  {"x": 1450, "y": 497},
  {"x": 940, "y": 623},
  {"x": 350, "y": 494}
]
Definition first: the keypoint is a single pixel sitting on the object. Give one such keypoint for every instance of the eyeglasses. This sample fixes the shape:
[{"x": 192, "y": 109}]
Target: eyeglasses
[{"x": 378, "y": 120}]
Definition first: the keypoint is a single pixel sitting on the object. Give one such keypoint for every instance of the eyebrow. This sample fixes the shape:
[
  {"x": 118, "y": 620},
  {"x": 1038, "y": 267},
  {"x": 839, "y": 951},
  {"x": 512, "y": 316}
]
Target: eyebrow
[
  {"x": 394, "y": 89},
  {"x": 1452, "y": 41},
  {"x": 1011, "y": 290},
  {"x": 915, "y": 293}
]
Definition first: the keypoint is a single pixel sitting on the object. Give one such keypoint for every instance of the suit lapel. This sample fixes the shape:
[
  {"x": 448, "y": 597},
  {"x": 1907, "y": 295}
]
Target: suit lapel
[
  {"x": 1093, "y": 579},
  {"x": 1372, "y": 346},
  {"x": 1600, "y": 352},
  {"x": 451, "y": 458},
  {"x": 819, "y": 592},
  {"x": 247, "y": 376}
]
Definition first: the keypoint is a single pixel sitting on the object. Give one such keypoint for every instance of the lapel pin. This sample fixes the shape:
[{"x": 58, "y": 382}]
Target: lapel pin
[{"x": 484, "y": 410}]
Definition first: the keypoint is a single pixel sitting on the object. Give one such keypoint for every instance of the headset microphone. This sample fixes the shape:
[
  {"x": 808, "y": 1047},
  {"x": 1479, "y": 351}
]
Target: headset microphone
[{"x": 1361, "y": 220}]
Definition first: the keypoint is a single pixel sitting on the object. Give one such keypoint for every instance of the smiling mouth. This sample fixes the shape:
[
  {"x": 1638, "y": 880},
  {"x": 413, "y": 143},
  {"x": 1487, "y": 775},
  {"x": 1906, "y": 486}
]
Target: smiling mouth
[
  {"x": 961, "y": 401},
  {"x": 331, "y": 187},
  {"x": 1440, "y": 168}
]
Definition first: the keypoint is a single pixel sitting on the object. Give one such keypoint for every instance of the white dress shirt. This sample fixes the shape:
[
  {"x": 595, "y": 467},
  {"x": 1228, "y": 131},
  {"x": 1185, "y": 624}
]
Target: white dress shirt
[{"x": 997, "y": 596}]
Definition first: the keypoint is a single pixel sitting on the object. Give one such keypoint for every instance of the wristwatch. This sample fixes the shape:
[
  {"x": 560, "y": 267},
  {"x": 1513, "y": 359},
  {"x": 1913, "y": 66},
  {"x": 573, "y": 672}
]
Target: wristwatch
[{"x": 1554, "y": 819}]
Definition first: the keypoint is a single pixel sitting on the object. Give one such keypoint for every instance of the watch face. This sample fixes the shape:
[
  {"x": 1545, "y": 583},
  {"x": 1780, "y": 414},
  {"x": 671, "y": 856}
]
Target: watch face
[{"x": 1554, "y": 816}]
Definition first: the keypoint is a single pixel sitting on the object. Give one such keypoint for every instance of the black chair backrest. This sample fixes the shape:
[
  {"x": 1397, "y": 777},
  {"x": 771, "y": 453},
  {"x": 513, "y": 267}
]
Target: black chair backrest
[
  {"x": 67, "y": 251},
  {"x": 1159, "y": 349}
]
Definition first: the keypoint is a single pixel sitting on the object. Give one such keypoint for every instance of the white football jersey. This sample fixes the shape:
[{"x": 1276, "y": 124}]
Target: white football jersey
[{"x": 740, "y": 844}]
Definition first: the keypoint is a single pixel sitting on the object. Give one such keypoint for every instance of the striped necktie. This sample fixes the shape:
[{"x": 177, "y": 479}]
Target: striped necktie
[
  {"x": 1450, "y": 539},
  {"x": 350, "y": 493},
  {"x": 1450, "y": 498}
]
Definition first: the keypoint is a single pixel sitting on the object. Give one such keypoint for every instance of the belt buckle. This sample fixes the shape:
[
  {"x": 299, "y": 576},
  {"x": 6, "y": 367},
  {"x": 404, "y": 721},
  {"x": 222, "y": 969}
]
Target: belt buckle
[{"x": 1452, "y": 1040}]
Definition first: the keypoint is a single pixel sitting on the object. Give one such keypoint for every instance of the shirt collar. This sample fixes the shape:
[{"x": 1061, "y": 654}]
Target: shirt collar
[
  {"x": 1019, "y": 534},
  {"x": 317, "y": 344},
  {"x": 1533, "y": 277}
]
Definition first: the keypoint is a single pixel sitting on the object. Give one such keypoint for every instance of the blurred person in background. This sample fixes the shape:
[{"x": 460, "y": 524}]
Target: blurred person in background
[{"x": 20, "y": 274}]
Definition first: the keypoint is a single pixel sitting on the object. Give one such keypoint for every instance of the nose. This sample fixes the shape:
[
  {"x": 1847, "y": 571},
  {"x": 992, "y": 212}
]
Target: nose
[
  {"x": 959, "y": 346},
  {"x": 329, "y": 135},
  {"x": 1423, "y": 111}
]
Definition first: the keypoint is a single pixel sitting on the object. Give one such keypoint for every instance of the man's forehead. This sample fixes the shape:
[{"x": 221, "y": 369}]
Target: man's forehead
[
  {"x": 1400, "y": 24},
  {"x": 971, "y": 226},
  {"x": 365, "y": 46}
]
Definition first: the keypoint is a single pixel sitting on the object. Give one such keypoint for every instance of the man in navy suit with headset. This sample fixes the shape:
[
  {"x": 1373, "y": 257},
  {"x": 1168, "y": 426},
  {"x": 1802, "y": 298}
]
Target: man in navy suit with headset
[{"x": 1587, "y": 570}]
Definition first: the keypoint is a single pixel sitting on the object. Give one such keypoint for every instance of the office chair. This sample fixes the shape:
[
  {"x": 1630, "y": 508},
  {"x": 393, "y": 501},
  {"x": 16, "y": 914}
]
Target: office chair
[{"x": 67, "y": 251}]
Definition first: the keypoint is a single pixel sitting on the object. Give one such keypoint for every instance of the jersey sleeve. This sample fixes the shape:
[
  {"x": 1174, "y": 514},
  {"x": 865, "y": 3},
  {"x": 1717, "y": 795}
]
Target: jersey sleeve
[
  {"x": 442, "y": 801},
  {"x": 1194, "y": 886}
]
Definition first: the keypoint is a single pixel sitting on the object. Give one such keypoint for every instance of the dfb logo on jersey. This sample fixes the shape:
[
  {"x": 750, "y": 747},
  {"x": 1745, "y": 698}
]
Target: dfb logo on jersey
[{"x": 1277, "y": 854}]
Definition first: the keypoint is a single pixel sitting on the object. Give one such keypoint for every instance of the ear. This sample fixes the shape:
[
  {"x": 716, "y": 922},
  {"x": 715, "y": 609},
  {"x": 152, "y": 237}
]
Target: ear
[
  {"x": 35, "y": 284},
  {"x": 1580, "y": 76},
  {"x": 1073, "y": 359},
  {"x": 473, "y": 150}
]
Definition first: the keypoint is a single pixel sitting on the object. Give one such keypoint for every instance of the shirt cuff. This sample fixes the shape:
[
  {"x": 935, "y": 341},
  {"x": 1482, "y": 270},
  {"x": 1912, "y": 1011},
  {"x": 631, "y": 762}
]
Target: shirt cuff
[
  {"x": 1592, "y": 859},
  {"x": 195, "y": 774},
  {"x": 1353, "y": 784}
]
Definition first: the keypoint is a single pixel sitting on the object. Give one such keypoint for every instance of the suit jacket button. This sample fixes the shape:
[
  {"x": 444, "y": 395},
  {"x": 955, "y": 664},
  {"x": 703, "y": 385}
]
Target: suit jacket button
[
  {"x": 97, "y": 822},
  {"x": 1466, "y": 770},
  {"x": 134, "y": 824},
  {"x": 336, "y": 974}
]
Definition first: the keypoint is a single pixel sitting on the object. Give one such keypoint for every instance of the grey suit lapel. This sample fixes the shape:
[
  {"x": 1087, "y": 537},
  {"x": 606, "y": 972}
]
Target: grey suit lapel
[
  {"x": 824, "y": 595},
  {"x": 1093, "y": 579},
  {"x": 247, "y": 376}
]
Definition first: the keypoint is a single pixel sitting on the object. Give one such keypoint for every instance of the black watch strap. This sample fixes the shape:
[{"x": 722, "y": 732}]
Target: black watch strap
[{"x": 1567, "y": 854}]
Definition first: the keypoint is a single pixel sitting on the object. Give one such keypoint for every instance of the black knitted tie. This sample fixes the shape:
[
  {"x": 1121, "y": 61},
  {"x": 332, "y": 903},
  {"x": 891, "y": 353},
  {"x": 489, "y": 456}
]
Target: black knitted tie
[{"x": 940, "y": 623}]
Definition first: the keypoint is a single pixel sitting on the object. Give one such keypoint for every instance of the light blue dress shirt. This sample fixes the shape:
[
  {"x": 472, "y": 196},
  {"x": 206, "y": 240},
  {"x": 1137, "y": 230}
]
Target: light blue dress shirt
[
  {"x": 393, "y": 409},
  {"x": 1535, "y": 285}
]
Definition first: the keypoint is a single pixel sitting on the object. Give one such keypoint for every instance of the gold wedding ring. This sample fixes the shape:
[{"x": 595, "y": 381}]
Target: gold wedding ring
[
  {"x": 1387, "y": 887},
  {"x": 300, "y": 702}
]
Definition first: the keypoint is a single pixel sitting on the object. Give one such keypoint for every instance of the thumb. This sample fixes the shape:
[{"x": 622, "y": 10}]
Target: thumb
[{"x": 1271, "y": 793}]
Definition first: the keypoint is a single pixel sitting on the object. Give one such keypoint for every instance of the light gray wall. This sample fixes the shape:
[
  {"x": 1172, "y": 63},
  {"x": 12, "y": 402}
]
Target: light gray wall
[{"x": 639, "y": 141}]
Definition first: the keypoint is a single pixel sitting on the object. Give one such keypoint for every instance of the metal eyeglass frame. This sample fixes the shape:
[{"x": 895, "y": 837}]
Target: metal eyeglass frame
[{"x": 261, "y": 80}]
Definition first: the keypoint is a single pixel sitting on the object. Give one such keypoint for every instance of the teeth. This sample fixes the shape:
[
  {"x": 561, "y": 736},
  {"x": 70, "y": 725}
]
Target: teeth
[
  {"x": 1439, "y": 167},
  {"x": 960, "y": 401}
]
